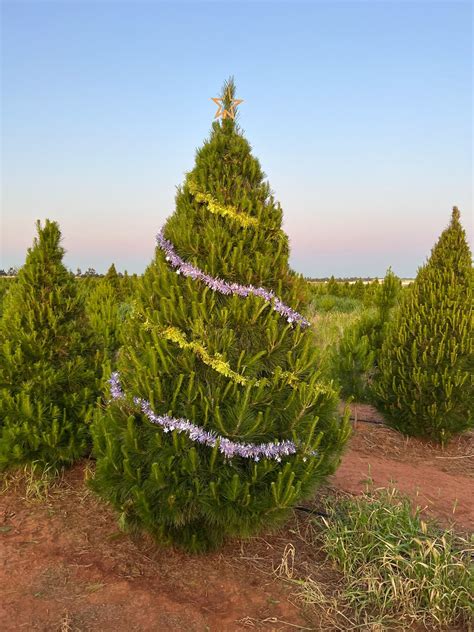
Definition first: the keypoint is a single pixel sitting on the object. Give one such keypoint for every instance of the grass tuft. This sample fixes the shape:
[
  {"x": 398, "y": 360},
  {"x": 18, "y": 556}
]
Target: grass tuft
[
  {"x": 36, "y": 481},
  {"x": 397, "y": 567}
]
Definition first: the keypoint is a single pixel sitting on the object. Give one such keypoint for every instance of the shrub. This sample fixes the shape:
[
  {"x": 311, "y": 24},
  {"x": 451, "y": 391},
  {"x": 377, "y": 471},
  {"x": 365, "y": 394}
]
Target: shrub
[
  {"x": 354, "y": 360},
  {"x": 330, "y": 303}
]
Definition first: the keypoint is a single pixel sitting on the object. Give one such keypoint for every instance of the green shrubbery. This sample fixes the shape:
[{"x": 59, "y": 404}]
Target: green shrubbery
[
  {"x": 103, "y": 309},
  {"x": 354, "y": 359},
  {"x": 424, "y": 385},
  {"x": 338, "y": 304},
  {"x": 363, "y": 293}
]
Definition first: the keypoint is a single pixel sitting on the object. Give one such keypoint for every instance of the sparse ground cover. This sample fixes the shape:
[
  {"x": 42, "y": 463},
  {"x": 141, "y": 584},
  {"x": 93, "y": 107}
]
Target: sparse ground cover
[{"x": 65, "y": 565}]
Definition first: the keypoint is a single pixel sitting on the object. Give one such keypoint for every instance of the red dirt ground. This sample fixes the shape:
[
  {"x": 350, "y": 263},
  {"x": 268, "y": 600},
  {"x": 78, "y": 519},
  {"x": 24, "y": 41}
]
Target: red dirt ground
[
  {"x": 440, "y": 481},
  {"x": 64, "y": 566}
]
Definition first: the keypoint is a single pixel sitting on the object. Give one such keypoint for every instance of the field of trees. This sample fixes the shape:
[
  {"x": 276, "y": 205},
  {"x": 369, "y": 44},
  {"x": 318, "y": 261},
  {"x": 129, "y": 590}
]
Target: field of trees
[
  {"x": 220, "y": 444},
  {"x": 334, "y": 566}
]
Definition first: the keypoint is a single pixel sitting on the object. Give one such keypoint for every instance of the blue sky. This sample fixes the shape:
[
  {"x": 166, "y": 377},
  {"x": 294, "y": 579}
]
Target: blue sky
[{"x": 360, "y": 113}]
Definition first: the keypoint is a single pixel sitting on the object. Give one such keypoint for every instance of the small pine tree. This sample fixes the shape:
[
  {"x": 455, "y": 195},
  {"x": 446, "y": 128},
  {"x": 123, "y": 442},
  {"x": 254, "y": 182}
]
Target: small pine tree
[
  {"x": 104, "y": 311},
  {"x": 424, "y": 386},
  {"x": 113, "y": 279},
  {"x": 47, "y": 361},
  {"x": 230, "y": 366},
  {"x": 111, "y": 274},
  {"x": 354, "y": 360},
  {"x": 387, "y": 294},
  {"x": 332, "y": 287},
  {"x": 358, "y": 289}
]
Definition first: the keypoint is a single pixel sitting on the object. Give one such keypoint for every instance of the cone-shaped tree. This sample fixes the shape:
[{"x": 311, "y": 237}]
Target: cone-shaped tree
[
  {"x": 106, "y": 311},
  {"x": 113, "y": 279},
  {"x": 424, "y": 385},
  {"x": 48, "y": 360},
  {"x": 209, "y": 371}
]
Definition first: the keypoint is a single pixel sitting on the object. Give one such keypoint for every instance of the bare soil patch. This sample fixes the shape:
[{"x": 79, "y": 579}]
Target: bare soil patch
[
  {"x": 440, "y": 480},
  {"x": 65, "y": 566}
]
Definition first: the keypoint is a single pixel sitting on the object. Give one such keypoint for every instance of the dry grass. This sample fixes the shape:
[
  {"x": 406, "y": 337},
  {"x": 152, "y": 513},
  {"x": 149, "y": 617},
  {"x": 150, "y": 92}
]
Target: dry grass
[{"x": 35, "y": 483}]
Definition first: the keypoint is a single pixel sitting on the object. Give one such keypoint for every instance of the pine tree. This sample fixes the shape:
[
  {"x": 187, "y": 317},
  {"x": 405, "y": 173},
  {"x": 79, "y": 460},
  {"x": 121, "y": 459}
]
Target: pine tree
[
  {"x": 104, "y": 312},
  {"x": 111, "y": 274},
  {"x": 113, "y": 279},
  {"x": 332, "y": 287},
  {"x": 354, "y": 360},
  {"x": 387, "y": 295},
  {"x": 358, "y": 289},
  {"x": 47, "y": 361},
  {"x": 209, "y": 372},
  {"x": 425, "y": 385}
]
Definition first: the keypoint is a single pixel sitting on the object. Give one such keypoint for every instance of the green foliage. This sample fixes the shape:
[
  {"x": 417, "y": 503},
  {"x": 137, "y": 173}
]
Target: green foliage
[
  {"x": 103, "y": 310},
  {"x": 336, "y": 294},
  {"x": 113, "y": 279},
  {"x": 48, "y": 360},
  {"x": 354, "y": 360},
  {"x": 331, "y": 303},
  {"x": 333, "y": 287},
  {"x": 396, "y": 567},
  {"x": 387, "y": 294},
  {"x": 358, "y": 289},
  {"x": 5, "y": 284},
  {"x": 179, "y": 490},
  {"x": 424, "y": 386}
]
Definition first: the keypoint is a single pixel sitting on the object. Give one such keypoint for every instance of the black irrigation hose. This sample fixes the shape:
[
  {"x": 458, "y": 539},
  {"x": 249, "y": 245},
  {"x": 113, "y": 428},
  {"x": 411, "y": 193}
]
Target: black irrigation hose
[
  {"x": 323, "y": 514},
  {"x": 368, "y": 421}
]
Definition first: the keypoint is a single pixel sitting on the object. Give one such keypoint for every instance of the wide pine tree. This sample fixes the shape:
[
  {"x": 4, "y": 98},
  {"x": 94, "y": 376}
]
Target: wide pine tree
[
  {"x": 425, "y": 386},
  {"x": 48, "y": 362},
  {"x": 219, "y": 421}
]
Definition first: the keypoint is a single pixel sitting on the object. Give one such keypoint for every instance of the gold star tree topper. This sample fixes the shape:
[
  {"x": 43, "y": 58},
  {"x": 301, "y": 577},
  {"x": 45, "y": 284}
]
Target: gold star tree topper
[{"x": 227, "y": 104}]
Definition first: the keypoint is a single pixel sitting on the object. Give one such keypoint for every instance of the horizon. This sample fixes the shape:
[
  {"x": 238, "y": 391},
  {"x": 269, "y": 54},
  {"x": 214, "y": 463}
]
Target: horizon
[{"x": 103, "y": 106}]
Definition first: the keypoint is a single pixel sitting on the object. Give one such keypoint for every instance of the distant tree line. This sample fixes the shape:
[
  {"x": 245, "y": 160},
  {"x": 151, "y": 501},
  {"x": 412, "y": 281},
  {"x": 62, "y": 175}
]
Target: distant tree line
[
  {"x": 340, "y": 279},
  {"x": 9, "y": 273},
  {"x": 90, "y": 272}
]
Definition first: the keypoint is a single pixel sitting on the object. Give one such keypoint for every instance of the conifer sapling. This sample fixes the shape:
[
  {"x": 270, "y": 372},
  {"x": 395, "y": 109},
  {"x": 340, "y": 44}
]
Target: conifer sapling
[
  {"x": 48, "y": 361},
  {"x": 425, "y": 386}
]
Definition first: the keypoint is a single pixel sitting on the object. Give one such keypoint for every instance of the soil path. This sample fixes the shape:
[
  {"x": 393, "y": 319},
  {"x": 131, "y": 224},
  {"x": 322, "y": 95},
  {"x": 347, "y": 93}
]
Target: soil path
[{"x": 440, "y": 481}]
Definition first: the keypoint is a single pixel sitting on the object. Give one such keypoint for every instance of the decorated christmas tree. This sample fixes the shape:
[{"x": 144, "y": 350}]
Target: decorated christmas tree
[
  {"x": 48, "y": 362},
  {"x": 218, "y": 420},
  {"x": 425, "y": 385}
]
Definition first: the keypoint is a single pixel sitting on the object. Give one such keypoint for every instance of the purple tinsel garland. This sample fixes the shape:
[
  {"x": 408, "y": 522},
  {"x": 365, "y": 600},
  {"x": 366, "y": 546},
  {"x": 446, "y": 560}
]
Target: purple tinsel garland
[
  {"x": 182, "y": 267},
  {"x": 227, "y": 447}
]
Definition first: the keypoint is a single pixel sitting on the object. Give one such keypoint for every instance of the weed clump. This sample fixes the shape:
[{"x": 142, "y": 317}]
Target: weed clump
[{"x": 396, "y": 566}]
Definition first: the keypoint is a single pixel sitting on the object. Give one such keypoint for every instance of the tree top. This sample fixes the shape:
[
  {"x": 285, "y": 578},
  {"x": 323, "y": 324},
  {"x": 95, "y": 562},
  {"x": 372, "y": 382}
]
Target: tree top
[{"x": 227, "y": 103}]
